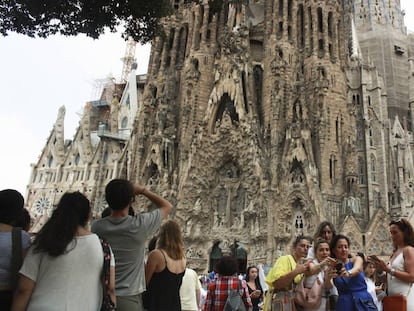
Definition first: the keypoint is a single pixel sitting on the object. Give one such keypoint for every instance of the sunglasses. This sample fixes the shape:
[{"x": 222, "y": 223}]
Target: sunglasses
[{"x": 401, "y": 223}]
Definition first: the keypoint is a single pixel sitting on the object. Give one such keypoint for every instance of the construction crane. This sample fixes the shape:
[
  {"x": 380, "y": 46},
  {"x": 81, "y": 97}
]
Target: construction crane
[{"x": 128, "y": 59}]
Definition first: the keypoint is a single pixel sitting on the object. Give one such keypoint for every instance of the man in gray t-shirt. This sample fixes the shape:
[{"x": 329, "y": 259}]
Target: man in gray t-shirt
[{"x": 127, "y": 236}]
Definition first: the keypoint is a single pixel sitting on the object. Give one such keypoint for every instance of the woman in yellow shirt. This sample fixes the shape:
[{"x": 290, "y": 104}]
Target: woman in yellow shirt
[{"x": 287, "y": 270}]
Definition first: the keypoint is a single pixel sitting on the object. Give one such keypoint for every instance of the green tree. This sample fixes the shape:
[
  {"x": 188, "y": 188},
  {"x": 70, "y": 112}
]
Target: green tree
[{"x": 42, "y": 18}]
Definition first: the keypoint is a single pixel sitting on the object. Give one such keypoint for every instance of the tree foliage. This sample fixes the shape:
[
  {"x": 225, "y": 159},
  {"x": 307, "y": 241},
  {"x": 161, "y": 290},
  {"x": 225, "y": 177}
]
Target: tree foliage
[{"x": 42, "y": 18}]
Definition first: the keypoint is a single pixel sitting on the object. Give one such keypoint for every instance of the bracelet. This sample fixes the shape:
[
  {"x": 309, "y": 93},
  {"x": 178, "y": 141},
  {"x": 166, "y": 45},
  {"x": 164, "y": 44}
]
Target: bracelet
[
  {"x": 349, "y": 273},
  {"x": 392, "y": 271}
]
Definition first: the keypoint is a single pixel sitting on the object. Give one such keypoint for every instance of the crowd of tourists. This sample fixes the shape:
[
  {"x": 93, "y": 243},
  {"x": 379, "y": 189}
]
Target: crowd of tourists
[{"x": 68, "y": 266}]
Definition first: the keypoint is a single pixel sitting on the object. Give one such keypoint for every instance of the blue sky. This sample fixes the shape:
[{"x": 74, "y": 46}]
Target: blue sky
[{"x": 40, "y": 75}]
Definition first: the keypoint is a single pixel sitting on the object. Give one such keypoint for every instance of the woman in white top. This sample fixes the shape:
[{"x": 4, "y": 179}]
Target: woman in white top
[
  {"x": 63, "y": 269},
  {"x": 326, "y": 231},
  {"x": 369, "y": 272},
  {"x": 317, "y": 268},
  {"x": 400, "y": 269}
]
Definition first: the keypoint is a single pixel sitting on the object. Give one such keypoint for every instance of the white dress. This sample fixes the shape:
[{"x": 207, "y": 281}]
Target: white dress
[{"x": 398, "y": 287}]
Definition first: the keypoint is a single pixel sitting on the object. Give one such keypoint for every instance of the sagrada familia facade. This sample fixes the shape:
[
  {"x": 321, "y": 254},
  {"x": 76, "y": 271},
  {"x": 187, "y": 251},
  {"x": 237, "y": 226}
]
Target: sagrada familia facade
[{"x": 257, "y": 119}]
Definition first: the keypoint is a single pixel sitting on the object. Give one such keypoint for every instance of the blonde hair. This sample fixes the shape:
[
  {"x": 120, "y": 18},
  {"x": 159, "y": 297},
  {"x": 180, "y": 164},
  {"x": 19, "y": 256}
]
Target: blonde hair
[{"x": 170, "y": 239}]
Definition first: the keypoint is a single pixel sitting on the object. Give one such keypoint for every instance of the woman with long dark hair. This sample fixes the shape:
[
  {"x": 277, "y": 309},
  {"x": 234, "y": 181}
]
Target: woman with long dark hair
[
  {"x": 349, "y": 278},
  {"x": 165, "y": 269},
  {"x": 63, "y": 268},
  {"x": 400, "y": 268},
  {"x": 326, "y": 231},
  {"x": 254, "y": 287}
]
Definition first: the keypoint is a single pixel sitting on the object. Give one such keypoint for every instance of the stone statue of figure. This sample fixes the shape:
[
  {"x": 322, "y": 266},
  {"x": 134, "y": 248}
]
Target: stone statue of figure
[
  {"x": 197, "y": 205},
  {"x": 216, "y": 222},
  {"x": 352, "y": 204},
  {"x": 189, "y": 226},
  {"x": 236, "y": 222}
]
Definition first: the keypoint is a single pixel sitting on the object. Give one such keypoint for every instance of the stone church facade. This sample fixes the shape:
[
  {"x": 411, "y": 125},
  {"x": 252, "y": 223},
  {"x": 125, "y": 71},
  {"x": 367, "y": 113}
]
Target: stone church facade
[{"x": 258, "y": 120}]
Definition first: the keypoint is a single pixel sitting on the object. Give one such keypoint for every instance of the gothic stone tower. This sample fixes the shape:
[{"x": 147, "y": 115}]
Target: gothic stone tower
[
  {"x": 246, "y": 123},
  {"x": 257, "y": 119}
]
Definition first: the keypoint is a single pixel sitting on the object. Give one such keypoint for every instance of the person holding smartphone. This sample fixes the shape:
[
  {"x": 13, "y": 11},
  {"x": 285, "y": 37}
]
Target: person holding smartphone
[
  {"x": 400, "y": 268},
  {"x": 349, "y": 278},
  {"x": 254, "y": 287}
]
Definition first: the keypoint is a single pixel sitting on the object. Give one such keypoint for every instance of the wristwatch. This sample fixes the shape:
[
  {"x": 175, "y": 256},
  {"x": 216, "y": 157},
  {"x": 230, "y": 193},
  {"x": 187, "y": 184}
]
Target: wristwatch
[
  {"x": 348, "y": 272},
  {"x": 392, "y": 271}
]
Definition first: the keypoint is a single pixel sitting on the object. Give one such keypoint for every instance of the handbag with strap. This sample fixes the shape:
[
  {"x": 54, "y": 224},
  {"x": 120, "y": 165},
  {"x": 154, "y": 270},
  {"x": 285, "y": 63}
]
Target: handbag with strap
[
  {"x": 394, "y": 303},
  {"x": 107, "y": 303},
  {"x": 309, "y": 297}
]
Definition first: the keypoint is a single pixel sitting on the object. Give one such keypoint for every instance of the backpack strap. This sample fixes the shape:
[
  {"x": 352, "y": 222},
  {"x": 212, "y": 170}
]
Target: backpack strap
[
  {"x": 106, "y": 264},
  {"x": 16, "y": 257},
  {"x": 240, "y": 288}
]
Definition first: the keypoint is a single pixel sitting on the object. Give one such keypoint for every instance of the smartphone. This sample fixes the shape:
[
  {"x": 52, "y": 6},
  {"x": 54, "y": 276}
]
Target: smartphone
[
  {"x": 338, "y": 267},
  {"x": 374, "y": 258},
  {"x": 257, "y": 292}
]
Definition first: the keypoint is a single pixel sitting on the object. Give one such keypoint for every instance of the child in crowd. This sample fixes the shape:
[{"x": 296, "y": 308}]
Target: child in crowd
[{"x": 375, "y": 291}]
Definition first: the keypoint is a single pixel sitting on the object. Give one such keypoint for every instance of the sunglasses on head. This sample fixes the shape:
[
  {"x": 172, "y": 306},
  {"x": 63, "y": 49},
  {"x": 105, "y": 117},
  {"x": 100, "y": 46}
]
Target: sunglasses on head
[{"x": 399, "y": 222}]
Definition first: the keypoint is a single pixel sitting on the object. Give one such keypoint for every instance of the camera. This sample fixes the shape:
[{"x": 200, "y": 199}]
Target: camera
[{"x": 338, "y": 267}]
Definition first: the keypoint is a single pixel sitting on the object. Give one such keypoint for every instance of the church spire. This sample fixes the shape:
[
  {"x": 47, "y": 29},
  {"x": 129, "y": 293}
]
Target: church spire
[{"x": 375, "y": 14}]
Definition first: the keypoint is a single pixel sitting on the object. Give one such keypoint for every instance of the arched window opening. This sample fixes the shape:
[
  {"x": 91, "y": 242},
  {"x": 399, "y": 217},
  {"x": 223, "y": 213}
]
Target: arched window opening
[
  {"x": 361, "y": 171},
  {"x": 77, "y": 159},
  {"x": 320, "y": 20},
  {"x": 227, "y": 106},
  {"x": 371, "y": 136},
  {"x": 373, "y": 169},
  {"x": 281, "y": 8}
]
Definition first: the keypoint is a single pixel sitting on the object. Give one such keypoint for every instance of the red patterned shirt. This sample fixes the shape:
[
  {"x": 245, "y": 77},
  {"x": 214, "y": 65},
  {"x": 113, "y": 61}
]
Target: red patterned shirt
[{"x": 219, "y": 289}]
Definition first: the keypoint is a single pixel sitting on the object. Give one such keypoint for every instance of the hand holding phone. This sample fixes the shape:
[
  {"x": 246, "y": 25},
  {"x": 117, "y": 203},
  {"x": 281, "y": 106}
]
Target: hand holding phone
[
  {"x": 256, "y": 293},
  {"x": 338, "y": 267},
  {"x": 374, "y": 258}
]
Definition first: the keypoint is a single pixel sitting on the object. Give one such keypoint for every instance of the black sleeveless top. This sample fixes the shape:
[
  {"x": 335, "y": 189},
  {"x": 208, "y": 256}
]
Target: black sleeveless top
[
  {"x": 164, "y": 290},
  {"x": 255, "y": 301}
]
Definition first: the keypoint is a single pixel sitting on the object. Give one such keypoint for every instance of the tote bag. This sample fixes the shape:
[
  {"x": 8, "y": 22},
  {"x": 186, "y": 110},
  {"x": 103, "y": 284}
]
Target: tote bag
[{"x": 309, "y": 297}]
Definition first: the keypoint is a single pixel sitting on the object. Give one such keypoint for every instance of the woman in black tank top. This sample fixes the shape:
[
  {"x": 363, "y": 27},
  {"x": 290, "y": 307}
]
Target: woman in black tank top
[{"x": 165, "y": 269}]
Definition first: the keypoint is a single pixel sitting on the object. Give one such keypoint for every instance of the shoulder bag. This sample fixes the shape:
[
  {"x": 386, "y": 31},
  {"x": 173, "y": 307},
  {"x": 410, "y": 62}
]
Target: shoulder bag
[
  {"x": 395, "y": 302},
  {"x": 107, "y": 303},
  {"x": 309, "y": 297}
]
